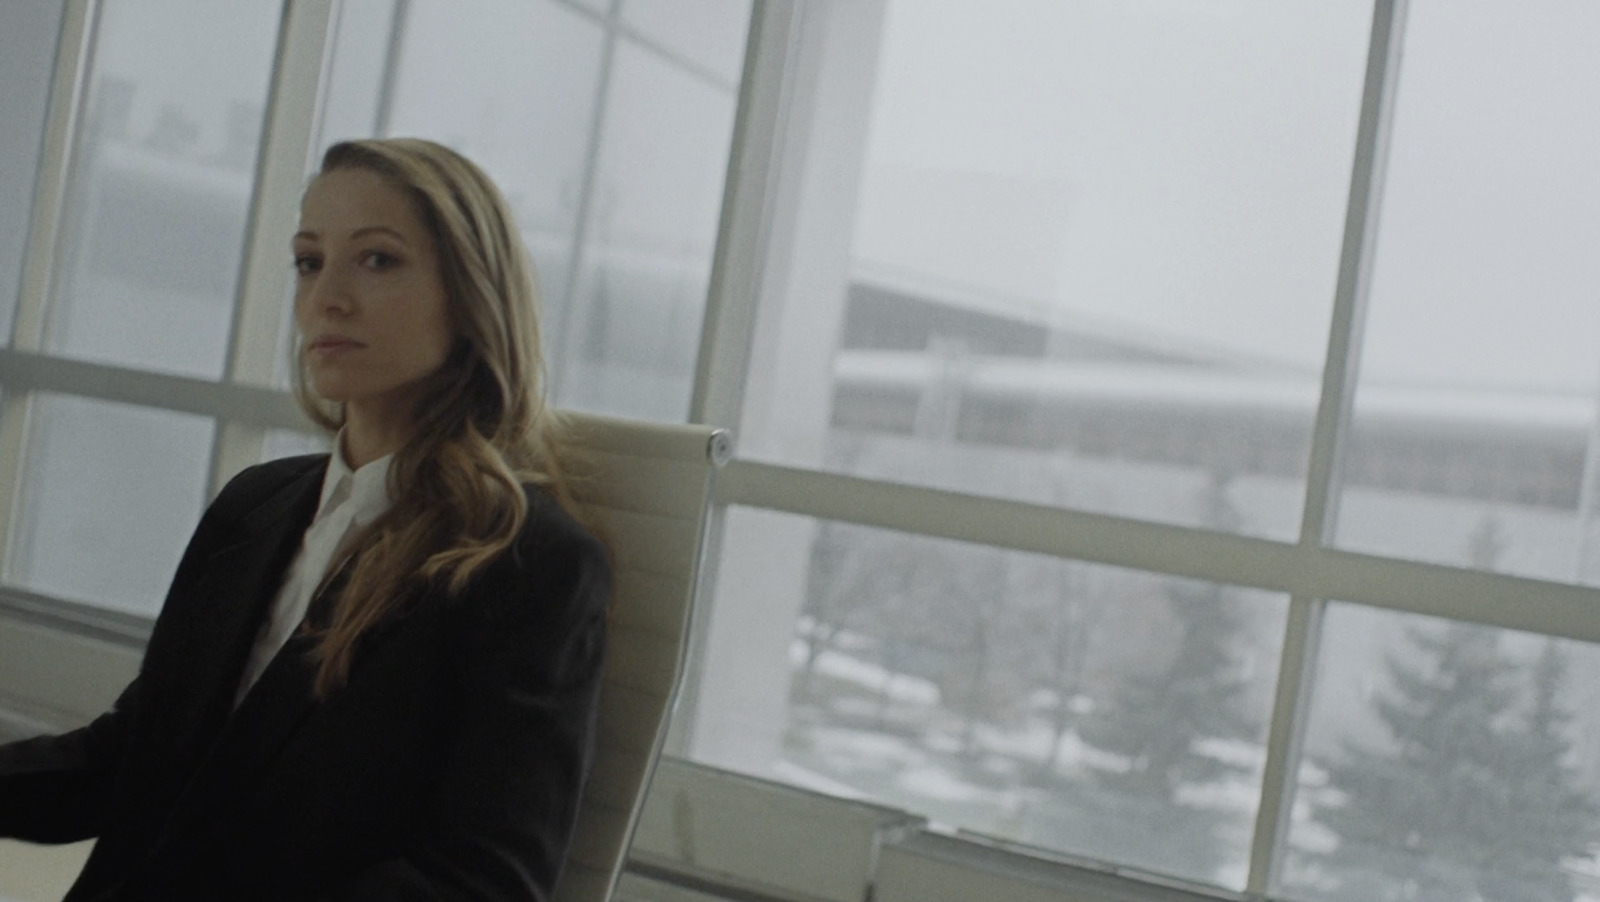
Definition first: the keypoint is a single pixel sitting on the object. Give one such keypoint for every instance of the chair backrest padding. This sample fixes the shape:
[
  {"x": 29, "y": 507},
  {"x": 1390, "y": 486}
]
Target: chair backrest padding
[{"x": 647, "y": 488}]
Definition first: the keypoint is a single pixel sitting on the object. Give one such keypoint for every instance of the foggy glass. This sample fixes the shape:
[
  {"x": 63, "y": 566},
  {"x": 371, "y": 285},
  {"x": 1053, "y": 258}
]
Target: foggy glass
[
  {"x": 110, "y": 496},
  {"x": 290, "y": 443},
  {"x": 1479, "y": 393},
  {"x": 1094, "y": 244},
  {"x": 632, "y": 329},
  {"x": 708, "y": 33},
  {"x": 353, "y": 87},
  {"x": 27, "y": 55},
  {"x": 161, "y": 182},
  {"x": 1446, "y": 761},
  {"x": 632, "y": 157},
  {"x": 1080, "y": 708}
]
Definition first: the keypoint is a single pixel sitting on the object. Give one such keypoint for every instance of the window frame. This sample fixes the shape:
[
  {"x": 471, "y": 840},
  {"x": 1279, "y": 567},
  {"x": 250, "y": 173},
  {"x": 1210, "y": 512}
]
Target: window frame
[{"x": 1310, "y": 570}]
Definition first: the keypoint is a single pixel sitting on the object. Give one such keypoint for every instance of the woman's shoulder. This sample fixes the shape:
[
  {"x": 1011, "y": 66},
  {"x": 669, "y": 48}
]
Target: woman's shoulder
[
  {"x": 554, "y": 556},
  {"x": 258, "y": 484},
  {"x": 546, "y": 512},
  {"x": 550, "y": 528}
]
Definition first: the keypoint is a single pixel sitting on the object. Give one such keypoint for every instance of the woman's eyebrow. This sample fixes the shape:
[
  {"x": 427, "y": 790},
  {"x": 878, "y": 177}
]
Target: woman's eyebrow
[
  {"x": 378, "y": 229},
  {"x": 307, "y": 235}
]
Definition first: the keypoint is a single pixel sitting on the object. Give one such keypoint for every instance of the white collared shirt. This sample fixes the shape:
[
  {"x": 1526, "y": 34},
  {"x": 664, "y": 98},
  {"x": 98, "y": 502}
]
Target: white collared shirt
[{"x": 350, "y": 501}]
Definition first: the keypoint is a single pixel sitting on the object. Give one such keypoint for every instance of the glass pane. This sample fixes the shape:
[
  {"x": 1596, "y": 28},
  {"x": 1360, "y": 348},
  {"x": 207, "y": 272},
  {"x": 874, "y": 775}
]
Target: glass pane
[
  {"x": 1098, "y": 239},
  {"x": 1447, "y": 761},
  {"x": 161, "y": 184},
  {"x": 709, "y": 34},
  {"x": 1085, "y": 709},
  {"x": 28, "y": 33},
  {"x": 110, "y": 496},
  {"x": 628, "y": 345},
  {"x": 289, "y": 443},
  {"x": 353, "y": 91},
  {"x": 1480, "y": 378}
]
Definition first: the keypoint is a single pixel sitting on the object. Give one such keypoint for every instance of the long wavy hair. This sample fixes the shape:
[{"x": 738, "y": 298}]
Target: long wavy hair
[{"x": 481, "y": 426}]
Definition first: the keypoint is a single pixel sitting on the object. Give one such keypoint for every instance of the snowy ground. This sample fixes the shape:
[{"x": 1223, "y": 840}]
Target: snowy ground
[
  {"x": 872, "y": 734},
  {"x": 884, "y": 736}
]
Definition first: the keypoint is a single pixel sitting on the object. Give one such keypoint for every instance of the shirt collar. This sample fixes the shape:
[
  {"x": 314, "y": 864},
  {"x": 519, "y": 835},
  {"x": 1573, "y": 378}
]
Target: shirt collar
[{"x": 365, "y": 489}]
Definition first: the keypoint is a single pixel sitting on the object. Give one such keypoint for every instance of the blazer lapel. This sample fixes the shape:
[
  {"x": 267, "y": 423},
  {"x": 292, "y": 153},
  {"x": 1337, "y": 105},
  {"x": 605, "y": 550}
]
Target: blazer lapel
[
  {"x": 196, "y": 656},
  {"x": 265, "y": 719},
  {"x": 274, "y": 706},
  {"x": 219, "y": 629}
]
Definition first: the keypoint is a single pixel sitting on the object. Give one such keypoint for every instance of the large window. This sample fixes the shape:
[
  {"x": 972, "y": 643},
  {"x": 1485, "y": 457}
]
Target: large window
[
  {"x": 1101, "y": 333},
  {"x": 1026, "y": 697},
  {"x": 139, "y": 271},
  {"x": 1166, "y": 433},
  {"x": 163, "y": 240},
  {"x": 1476, "y": 408},
  {"x": 1452, "y": 757}
]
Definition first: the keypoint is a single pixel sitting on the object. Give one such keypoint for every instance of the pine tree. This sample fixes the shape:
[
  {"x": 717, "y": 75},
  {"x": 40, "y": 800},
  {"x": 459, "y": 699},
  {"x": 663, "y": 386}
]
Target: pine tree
[
  {"x": 1157, "y": 722},
  {"x": 1154, "y": 719},
  {"x": 1475, "y": 798},
  {"x": 1550, "y": 817},
  {"x": 1417, "y": 815},
  {"x": 1472, "y": 799}
]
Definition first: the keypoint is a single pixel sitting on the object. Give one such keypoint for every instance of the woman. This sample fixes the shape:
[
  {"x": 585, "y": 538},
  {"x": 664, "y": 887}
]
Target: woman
[{"x": 375, "y": 674}]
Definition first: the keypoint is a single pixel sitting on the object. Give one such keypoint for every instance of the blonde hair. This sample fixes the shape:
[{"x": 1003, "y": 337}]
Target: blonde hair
[{"x": 482, "y": 428}]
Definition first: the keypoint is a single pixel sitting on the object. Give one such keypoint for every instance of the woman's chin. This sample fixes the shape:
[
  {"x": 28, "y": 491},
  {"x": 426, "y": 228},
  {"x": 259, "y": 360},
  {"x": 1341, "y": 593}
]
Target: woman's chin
[{"x": 333, "y": 391}]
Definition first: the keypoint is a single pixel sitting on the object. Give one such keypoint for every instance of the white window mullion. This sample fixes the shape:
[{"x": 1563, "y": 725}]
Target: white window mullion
[
  {"x": 748, "y": 210},
  {"x": 1355, "y": 273},
  {"x": 737, "y": 266},
  {"x": 49, "y": 199},
  {"x": 291, "y": 120},
  {"x": 1297, "y": 665},
  {"x": 398, "y": 16},
  {"x": 1285, "y": 736}
]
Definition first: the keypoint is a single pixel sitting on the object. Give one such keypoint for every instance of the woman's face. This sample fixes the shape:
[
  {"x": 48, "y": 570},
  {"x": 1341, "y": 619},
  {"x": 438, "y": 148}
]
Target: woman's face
[{"x": 370, "y": 299}]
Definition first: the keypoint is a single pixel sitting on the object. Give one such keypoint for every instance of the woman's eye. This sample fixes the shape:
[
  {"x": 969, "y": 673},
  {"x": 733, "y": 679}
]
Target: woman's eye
[
  {"x": 305, "y": 264},
  {"x": 379, "y": 260}
]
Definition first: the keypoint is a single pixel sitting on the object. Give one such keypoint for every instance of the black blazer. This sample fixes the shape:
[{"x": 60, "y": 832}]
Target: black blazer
[{"x": 449, "y": 767}]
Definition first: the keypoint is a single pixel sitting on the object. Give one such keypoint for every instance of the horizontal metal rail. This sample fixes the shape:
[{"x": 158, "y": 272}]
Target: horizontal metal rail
[
  {"x": 22, "y": 371},
  {"x": 1493, "y": 599}
]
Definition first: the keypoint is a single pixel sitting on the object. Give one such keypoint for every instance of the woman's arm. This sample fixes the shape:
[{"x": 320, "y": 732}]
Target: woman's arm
[
  {"x": 59, "y": 788},
  {"x": 531, "y": 646},
  {"x": 56, "y": 789}
]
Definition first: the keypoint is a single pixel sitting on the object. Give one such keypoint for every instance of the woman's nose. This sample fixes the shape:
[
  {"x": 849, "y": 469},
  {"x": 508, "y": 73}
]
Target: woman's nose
[{"x": 329, "y": 291}]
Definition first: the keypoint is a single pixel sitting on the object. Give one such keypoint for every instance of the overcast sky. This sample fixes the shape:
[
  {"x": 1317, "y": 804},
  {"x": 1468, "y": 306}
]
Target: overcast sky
[{"x": 1181, "y": 167}]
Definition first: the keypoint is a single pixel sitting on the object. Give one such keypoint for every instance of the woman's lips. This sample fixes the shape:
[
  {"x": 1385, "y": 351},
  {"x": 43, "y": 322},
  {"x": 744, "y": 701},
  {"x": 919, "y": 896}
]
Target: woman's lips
[{"x": 334, "y": 343}]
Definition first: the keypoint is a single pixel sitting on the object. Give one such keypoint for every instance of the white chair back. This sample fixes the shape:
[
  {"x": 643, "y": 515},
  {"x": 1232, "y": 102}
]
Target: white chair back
[{"x": 647, "y": 487}]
